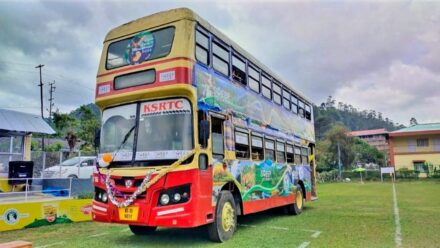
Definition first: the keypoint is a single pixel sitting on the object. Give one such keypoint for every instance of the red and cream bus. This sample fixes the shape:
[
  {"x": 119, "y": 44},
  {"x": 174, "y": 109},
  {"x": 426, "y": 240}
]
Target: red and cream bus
[{"x": 195, "y": 131}]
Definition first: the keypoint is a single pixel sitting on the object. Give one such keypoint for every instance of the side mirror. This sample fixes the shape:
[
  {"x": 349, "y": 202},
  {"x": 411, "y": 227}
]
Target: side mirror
[
  {"x": 97, "y": 139},
  {"x": 204, "y": 132}
]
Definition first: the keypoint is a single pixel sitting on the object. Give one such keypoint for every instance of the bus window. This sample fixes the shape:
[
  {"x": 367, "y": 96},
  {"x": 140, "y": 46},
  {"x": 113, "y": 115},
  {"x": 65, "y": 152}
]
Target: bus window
[
  {"x": 297, "y": 159},
  {"x": 289, "y": 153},
  {"x": 202, "y": 48},
  {"x": 254, "y": 79},
  {"x": 286, "y": 99},
  {"x": 257, "y": 148},
  {"x": 301, "y": 108},
  {"x": 241, "y": 145},
  {"x": 135, "y": 79},
  {"x": 308, "y": 112},
  {"x": 269, "y": 151},
  {"x": 220, "y": 59},
  {"x": 304, "y": 155},
  {"x": 218, "y": 145},
  {"x": 117, "y": 51},
  {"x": 266, "y": 90},
  {"x": 294, "y": 104},
  {"x": 238, "y": 70},
  {"x": 276, "y": 93},
  {"x": 281, "y": 149}
]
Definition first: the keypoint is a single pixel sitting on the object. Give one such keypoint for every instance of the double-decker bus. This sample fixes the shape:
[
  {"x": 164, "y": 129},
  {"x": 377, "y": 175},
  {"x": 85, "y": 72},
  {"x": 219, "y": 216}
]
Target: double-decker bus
[{"x": 195, "y": 131}]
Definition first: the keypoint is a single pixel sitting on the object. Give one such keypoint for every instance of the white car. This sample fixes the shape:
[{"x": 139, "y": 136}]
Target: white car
[{"x": 76, "y": 167}]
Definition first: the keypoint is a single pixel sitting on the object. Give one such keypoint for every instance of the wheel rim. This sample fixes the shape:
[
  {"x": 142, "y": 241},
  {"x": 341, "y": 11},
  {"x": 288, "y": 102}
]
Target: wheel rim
[
  {"x": 228, "y": 217},
  {"x": 299, "y": 199}
]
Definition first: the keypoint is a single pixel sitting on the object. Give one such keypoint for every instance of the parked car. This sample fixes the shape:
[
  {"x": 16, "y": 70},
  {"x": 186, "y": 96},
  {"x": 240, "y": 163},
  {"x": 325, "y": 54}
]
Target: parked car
[{"x": 76, "y": 167}]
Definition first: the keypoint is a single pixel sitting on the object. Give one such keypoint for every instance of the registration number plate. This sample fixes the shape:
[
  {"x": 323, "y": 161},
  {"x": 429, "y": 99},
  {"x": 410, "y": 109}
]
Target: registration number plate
[{"x": 129, "y": 213}]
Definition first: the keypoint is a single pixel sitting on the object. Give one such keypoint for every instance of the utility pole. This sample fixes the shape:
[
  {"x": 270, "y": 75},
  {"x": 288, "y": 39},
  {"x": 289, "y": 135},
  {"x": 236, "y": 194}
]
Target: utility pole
[
  {"x": 339, "y": 162},
  {"x": 41, "y": 100},
  {"x": 51, "y": 104}
]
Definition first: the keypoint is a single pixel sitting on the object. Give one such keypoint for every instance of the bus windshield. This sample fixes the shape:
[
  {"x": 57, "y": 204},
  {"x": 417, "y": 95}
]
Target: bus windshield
[
  {"x": 164, "y": 130},
  {"x": 140, "y": 47}
]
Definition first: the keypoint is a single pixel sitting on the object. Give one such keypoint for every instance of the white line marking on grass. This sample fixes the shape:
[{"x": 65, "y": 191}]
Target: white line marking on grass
[
  {"x": 278, "y": 228},
  {"x": 97, "y": 235},
  {"x": 397, "y": 235},
  {"x": 53, "y": 244},
  {"x": 304, "y": 244},
  {"x": 246, "y": 225},
  {"x": 315, "y": 234}
]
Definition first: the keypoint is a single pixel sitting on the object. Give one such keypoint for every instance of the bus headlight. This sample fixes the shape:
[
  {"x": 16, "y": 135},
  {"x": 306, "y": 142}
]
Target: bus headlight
[
  {"x": 104, "y": 197},
  {"x": 176, "y": 197},
  {"x": 164, "y": 199}
]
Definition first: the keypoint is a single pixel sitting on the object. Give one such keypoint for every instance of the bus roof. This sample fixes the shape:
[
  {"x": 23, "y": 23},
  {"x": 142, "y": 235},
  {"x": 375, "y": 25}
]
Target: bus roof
[{"x": 173, "y": 15}]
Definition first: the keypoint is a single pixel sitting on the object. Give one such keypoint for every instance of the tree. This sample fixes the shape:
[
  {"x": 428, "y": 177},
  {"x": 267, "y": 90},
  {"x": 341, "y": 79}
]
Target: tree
[
  {"x": 337, "y": 136},
  {"x": 89, "y": 123},
  {"x": 366, "y": 153},
  {"x": 64, "y": 123},
  {"x": 413, "y": 121}
]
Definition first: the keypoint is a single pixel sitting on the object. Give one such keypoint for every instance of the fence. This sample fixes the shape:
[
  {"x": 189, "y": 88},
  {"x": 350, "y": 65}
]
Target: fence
[
  {"x": 43, "y": 161},
  {"x": 37, "y": 188}
]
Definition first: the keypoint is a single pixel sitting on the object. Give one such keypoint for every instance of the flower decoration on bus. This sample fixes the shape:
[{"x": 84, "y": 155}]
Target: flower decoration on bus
[{"x": 140, "y": 48}]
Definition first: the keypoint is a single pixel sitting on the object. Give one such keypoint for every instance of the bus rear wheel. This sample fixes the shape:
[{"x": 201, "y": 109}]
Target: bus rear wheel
[
  {"x": 225, "y": 222},
  {"x": 142, "y": 230},
  {"x": 296, "y": 207}
]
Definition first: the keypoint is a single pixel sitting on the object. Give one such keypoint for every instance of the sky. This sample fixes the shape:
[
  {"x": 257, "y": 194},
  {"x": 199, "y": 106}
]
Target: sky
[{"x": 381, "y": 55}]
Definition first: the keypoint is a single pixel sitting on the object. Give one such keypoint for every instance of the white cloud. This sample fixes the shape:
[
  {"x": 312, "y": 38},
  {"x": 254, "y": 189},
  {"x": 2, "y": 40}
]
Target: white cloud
[{"x": 401, "y": 91}]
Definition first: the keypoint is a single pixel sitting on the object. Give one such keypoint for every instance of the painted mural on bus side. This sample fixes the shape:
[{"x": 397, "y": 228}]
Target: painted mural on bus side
[{"x": 252, "y": 109}]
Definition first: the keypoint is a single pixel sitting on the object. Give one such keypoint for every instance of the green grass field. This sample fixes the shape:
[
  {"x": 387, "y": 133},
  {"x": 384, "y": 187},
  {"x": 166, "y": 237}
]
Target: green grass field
[{"x": 346, "y": 215}]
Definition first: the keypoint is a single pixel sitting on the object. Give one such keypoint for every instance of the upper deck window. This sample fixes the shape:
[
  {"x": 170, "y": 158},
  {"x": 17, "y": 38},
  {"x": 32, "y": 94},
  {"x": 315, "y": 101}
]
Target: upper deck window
[
  {"x": 140, "y": 47},
  {"x": 202, "y": 47},
  {"x": 220, "y": 59}
]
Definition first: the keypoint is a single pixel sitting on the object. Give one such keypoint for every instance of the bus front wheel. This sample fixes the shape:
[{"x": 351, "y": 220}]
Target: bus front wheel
[
  {"x": 297, "y": 207},
  {"x": 142, "y": 230},
  {"x": 225, "y": 222}
]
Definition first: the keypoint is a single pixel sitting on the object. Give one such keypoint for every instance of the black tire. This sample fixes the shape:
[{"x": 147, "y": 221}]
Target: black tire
[
  {"x": 296, "y": 207},
  {"x": 142, "y": 230},
  {"x": 219, "y": 231}
]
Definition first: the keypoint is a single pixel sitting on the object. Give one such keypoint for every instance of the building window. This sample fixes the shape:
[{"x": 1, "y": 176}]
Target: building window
[
  {"x": 423, "y": 142},
  {"x": 419, "y": 166},
  {"x": 308, "y": 112},
  {"x": 269, "y": 151},
  {"x": 257, "y": 148},
  {"x": 241, "y": 145}
]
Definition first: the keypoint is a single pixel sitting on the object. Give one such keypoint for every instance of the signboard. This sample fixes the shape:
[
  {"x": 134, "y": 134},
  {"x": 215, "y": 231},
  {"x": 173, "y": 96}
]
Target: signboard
[{"x": 21, "y": 215}]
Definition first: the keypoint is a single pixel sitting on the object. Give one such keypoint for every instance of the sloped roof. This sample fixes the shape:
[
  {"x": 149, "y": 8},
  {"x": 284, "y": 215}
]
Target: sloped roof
[
  {"x": 427, "y": 128},
  {"x": 368, "y": 132},
  {"x": 22, "y": 122}
]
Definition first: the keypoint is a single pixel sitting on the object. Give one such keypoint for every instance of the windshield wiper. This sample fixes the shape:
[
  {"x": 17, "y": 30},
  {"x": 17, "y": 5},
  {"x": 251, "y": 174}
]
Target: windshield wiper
[{"x": 127, "y": 135}]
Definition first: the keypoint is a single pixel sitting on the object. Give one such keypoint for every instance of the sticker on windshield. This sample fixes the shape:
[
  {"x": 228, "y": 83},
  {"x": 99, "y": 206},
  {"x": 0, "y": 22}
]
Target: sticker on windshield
[
  {"x": 159, "y": 155},
  {"x": 165, "y": 107},
  {"x": 140, "y": 48}
]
